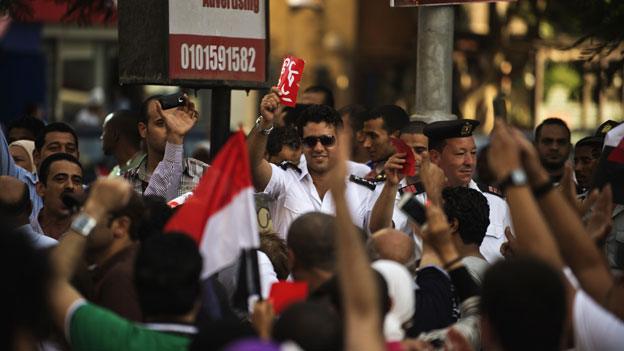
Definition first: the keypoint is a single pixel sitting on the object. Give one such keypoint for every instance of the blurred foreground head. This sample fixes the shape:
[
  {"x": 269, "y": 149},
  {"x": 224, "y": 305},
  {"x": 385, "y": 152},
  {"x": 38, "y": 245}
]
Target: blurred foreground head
[{"x": 522, "y": 306}]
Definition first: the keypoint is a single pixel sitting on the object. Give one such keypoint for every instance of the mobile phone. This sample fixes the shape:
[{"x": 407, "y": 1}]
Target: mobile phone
[
  {"x": 500, "y": 108},
  {"x": 413, "y": 208},
  {"x": 171, "y": 101}
]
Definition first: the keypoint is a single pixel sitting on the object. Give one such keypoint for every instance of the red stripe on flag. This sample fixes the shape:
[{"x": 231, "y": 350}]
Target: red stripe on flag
[
  {"x": 617, "y": 154},
  {"x": 227, "y": 176}
]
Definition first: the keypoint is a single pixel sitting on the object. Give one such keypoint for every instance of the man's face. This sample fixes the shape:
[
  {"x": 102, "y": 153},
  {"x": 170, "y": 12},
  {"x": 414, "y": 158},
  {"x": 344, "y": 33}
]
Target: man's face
[
  {"x": 108, "y": 140},
  {"x": 100, "y": 238},
  {"x": 320, "y": 158},
  {"x": 419, "y": 143},
  {"x": 376, "y": 140},
  {"x": 18, "y": 133},
  {"x": 584, "y": 165},
  {"x": 57, "y": 142},
  {"x": 553, "y": 146},
  {"x": 458, "y": 160},
  {"x": 155, "y": 132},
  {"x": 64, "y": 177}
]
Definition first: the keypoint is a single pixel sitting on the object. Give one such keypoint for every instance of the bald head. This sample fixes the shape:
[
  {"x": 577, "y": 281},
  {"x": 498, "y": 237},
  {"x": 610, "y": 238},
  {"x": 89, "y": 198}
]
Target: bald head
[
  {"x": 391, "y": 244},
  {"x": 15, "y": 199}
]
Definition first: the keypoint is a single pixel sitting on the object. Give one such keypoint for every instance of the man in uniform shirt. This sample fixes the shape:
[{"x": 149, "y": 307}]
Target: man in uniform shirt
[
  {"x": 452, "y": 148},
  {"x": 305, "y": 189}
]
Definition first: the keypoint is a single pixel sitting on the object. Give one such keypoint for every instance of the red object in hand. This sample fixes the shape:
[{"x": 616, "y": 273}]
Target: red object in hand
[
  {"x": 409, "y": 167},
  {"x": 288, "y": 84},
  {"x": 284, "y": 294}
]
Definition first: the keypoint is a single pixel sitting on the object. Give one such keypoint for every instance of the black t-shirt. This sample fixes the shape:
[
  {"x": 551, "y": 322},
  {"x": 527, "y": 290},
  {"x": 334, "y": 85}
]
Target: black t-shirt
[{"x": 436, "y": 303}]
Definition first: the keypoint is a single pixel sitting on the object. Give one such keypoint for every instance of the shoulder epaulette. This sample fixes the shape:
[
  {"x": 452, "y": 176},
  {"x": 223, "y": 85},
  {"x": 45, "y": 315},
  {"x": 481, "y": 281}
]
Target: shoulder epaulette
[
  {"x": 490, "y": 190},
  {"x": 381, "y": 177},
  {"x": 285, "y": 165},
  {"x": 416, "y": 188},
  {"x": 361, "y": 181}
]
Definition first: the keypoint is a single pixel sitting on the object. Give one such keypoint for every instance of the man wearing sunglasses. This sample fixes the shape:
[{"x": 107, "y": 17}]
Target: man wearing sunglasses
[{"x": 306, "y": 189}]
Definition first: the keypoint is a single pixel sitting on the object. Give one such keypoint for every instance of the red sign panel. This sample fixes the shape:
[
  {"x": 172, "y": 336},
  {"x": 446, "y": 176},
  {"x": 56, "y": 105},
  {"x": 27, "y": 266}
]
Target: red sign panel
[
  {"x": 218, "y": 40},
  {"x": 288, "y": 85}
]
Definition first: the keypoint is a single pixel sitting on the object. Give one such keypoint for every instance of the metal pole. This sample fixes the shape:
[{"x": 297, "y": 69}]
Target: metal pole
[
  {"x": 219, "y": 119},
  {"x": 434, "y": 65}
]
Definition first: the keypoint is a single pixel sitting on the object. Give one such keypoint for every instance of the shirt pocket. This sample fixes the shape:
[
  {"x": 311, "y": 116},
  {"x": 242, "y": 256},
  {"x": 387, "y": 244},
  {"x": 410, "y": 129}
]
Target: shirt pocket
[{"x": 495, "y": 230}]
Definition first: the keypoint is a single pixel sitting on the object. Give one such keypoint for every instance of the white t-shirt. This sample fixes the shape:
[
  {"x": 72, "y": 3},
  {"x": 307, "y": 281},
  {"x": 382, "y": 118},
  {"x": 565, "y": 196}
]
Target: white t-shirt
[{"x": 595, "y": 328}]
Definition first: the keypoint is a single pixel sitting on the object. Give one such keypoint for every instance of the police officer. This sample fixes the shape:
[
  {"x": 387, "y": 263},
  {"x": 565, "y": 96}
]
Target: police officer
[
  {"x": 305, "y": 188},
  {"x": 453, "y": 149}
]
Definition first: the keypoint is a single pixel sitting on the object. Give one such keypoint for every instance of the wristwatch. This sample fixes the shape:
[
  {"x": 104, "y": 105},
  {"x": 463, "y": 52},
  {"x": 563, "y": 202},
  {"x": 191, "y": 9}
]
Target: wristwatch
[
  {"x": 263, "y": 131},
  {"x": 517, "y": 177},
  {"x": 83, "y": 224}
]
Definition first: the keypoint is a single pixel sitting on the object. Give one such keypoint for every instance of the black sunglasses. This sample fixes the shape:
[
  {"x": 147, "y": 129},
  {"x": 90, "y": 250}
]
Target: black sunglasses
[{"x": 326, "y": 140}]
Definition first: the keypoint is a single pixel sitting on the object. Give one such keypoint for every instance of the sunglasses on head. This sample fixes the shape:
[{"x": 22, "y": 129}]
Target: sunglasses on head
[{"x": 326, "y": 140}]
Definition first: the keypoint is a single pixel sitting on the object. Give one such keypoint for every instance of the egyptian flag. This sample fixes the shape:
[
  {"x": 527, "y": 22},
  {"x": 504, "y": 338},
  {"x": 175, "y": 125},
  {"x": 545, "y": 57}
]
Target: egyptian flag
[
  {"x": 611, "y": 166},
  {"x": 221, "y": 215}
]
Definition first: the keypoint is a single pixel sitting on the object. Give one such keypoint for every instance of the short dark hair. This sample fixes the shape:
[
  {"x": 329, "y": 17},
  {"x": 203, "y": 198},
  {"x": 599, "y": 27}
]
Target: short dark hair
[
  {"x": 329, "y": 95},
  {"x": 357, "y": 114},
  {"x": 32, "y": 124},
  {"x": 594, "y": 143},
  {"x": 524, "y": 300},
  {"x": 311, "y": 237},
  {"x": 282, "y": 136},
  {"x": 414, "y": 127},
  {"x": 156, "y": 214},
  {"x": 550, "y": 122},
  {"x": 21, "y": 207},
  {"x": 471, "y": 210},
  {"x": 318, "y": 114},
  {"x": 60, "y": 127},
  {"x": 167, "y": 271},
  {"x": 24, "y": 300},
  {"x": 125, "y": 123},
  {"x": 143, "y": 111},
  {"x": 134, "y": 210},
  {"x": 46, "y": 164},
  {"x": 394, "y": 117},
  {"x": 312, "y": 325}
]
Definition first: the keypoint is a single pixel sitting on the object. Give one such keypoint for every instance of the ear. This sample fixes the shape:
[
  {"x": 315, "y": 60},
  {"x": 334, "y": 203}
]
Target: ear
[
  {"x": 454, "y": 225},
  {"x": 142, "y": 129},
  {"x": 434, "y": 156},
  {"x": 36, "y": 157},
  {"x": 121, "y": 227},
  {"x": 41, "y": 188}
]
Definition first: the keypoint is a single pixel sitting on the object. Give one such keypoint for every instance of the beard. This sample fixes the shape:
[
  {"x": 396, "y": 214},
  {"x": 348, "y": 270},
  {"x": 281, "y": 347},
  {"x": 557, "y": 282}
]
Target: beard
[{"x": 553, "y": 165}]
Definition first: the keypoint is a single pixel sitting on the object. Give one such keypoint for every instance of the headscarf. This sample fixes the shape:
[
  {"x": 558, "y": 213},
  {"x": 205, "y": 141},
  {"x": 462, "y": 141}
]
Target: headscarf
[
  {"x": 401, "y": 291},
  {"x": 29, "y": 146}
]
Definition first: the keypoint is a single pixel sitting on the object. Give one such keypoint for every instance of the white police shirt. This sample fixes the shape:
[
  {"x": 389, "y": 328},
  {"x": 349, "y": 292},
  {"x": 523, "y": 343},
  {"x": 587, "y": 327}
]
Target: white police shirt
[
  {"x": 499, "y": 219},
  {"x": 400, "y": 220},
  {"x": 294, "y": 194}
]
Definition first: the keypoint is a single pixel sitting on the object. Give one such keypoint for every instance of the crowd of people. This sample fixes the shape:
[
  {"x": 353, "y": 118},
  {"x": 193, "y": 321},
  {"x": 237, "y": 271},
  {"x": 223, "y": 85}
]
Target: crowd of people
[{"x": 523, "y": 252}]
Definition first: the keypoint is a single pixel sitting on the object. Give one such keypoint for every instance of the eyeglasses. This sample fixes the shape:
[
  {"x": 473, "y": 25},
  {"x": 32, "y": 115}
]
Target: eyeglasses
[{"x": 326, "y": 140}]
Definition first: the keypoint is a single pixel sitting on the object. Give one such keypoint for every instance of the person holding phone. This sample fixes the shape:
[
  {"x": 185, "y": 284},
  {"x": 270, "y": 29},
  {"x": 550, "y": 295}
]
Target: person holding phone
[{"x": 164, "y": 121}]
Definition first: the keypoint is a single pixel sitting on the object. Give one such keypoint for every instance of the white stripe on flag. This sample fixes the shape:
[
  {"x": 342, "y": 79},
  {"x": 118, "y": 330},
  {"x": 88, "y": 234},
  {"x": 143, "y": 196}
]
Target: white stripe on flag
[{"x": 228, "y": 231}]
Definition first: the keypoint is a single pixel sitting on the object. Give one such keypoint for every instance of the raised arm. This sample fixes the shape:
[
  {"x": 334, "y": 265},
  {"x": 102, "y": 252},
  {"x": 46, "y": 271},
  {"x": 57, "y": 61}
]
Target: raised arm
[
  {"x": 381, "y": 216},
  {"x": 532, "y": 232},
  {"x": 363, "y": 327},
  {"x": 576, "y": 246},
  {"x": 106, "y": 196},
  {"x": 165, "y": 180},
  {"x": 257, "y": 140}
]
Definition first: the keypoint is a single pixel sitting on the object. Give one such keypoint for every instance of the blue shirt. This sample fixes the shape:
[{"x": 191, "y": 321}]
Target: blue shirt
[{"x": 9, "y": 168}]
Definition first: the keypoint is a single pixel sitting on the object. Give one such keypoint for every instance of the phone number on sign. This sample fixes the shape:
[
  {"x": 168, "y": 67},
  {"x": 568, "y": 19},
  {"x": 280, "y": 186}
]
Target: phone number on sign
[{"x": 218, "y": 58}]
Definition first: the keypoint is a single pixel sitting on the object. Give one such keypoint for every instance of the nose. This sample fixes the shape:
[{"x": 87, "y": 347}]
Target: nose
[
  {"x": 469, "y": 159},
  {"x": 367, "y": 142}
]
